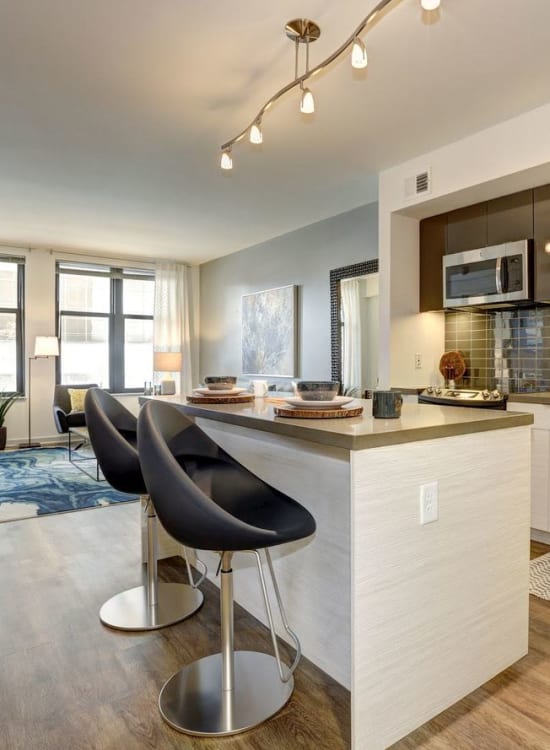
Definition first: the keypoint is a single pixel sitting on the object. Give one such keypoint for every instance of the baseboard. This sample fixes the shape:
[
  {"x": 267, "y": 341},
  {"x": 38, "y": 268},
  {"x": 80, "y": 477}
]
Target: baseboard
[{"x": 540, "y": 536}]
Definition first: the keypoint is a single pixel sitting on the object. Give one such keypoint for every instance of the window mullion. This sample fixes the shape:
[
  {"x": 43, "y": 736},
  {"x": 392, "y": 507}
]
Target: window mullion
[{"x": 117, "y": 332}]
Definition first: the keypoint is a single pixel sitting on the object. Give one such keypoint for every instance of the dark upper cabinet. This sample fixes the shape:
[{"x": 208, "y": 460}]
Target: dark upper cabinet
[
  {"x": 467, "y": 228},
  {"x": 542, "y": 237},
  {"x": 432, "y": 249},
  {"x": 510, "y": 218}
]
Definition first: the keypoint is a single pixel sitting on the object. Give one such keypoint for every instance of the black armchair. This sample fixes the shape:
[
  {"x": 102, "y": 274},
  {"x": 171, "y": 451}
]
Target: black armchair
[{"x": 64, "y": 418}]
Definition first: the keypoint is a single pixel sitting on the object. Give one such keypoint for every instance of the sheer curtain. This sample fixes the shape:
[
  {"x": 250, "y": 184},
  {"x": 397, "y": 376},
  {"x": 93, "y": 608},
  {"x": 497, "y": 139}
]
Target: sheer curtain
[
  {"x": 351, "y": 334},
  {"x": 175, "y": 319}
]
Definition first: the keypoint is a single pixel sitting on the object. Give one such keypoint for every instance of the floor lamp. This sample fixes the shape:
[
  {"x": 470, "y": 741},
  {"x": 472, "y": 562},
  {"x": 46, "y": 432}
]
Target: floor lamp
[
  {"x": 167, "y": 362},
  {"x": 44, "y": 347}
]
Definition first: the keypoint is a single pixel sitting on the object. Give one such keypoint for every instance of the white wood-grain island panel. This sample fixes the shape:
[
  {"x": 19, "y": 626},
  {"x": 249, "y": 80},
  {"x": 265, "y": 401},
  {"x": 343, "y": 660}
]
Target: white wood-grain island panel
[{"x": 409, "y": 617}]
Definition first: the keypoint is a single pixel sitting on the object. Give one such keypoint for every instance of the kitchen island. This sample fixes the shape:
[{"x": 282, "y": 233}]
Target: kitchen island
[{"x": 410, "y": 617}]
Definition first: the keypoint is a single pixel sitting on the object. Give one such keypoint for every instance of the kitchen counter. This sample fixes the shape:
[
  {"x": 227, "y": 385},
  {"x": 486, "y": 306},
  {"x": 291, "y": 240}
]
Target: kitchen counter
[
  {"x": 417, "y": 422},
  {"x": 542, "y": 397},
  {"x": 381, "y": 601}
]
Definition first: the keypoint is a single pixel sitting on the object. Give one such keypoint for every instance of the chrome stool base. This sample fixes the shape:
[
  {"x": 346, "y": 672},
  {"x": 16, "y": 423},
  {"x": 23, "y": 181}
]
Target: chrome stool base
[
  {"x": 130, "y": 609},
  {"x": 193, "y": 701}
]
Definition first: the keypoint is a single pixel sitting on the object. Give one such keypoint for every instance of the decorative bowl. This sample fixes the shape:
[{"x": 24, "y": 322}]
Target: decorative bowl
[
  {"x": 220, "y": 382},
  {"x": 317, "y": 390}
]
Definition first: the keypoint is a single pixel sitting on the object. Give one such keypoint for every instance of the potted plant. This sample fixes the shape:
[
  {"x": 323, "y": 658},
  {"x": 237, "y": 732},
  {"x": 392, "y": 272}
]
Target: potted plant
[{"x": 6, "y": 402}]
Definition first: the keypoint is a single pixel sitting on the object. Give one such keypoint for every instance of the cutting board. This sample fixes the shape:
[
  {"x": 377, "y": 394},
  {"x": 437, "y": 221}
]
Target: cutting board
[
  {"x": 454, "y": 360},
  {"x": 239, "y": 398},
  {"x": 290, "y": 411}
]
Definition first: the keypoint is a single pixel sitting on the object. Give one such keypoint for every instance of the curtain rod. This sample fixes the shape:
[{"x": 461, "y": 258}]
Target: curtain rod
[{"x": 89, "y": 254}]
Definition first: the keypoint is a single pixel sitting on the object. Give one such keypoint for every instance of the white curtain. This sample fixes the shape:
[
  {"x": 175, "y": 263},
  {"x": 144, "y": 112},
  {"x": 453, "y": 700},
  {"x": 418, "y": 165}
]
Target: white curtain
[
  {"x": 175, "y": 319},
  {"x": 351, "y": 334}
]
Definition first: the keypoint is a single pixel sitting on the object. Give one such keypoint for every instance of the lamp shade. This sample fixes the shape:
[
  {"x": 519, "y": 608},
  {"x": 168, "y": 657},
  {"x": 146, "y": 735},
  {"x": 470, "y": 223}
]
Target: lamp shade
[
  {"x": 46, "y": 346},
  {"x": 167, "y": 361}
]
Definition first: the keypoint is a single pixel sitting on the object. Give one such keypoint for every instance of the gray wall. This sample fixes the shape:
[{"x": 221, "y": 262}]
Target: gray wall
[{"x": 303, "y": 257}]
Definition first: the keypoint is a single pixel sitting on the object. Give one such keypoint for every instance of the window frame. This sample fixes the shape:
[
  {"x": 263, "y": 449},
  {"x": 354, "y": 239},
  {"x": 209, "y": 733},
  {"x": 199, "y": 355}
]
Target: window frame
[
  {"x": 19, "y": 310},
  {"x": 116, "y": 316}
]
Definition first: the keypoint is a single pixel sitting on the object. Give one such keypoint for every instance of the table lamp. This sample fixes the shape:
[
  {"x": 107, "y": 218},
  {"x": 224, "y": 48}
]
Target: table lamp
[
  {"x": 167, "y": 362},
  {"x": 44, "y": 346}
]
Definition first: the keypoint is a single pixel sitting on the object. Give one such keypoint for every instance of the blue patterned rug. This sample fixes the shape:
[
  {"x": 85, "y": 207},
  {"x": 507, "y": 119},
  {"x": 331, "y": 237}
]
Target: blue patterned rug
[{"x": 42, "y": 480}]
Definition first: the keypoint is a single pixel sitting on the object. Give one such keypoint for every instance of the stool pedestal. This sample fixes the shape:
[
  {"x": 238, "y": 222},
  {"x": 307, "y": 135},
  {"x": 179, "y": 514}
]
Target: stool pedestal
[
  {"x": 229, "y": 692},
  {"x": 154, "y": 605}
]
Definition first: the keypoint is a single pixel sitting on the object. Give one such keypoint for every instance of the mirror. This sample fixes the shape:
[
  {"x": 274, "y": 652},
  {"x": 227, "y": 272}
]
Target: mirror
[{"x": 354, "y": 326}]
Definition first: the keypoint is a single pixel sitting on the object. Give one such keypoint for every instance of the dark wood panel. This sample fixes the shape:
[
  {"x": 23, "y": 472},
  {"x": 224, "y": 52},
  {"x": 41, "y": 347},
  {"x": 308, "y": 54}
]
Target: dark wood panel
[
  {"x": 433, "y": 233},
  {"x": 542, "y": 237},
  {"x": 510, "y": 218},
  {"x": 467, "y": 228}
]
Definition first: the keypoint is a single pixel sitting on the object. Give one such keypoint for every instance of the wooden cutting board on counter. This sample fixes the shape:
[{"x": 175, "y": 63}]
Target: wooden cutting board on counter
[
  {"x": 454, "y": 360},
  {"x": 238, "y": 398},
  {"x": 297, "y": 413}
]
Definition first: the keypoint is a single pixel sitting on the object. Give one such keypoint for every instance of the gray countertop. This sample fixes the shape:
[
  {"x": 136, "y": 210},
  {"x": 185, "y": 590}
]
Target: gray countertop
[
  {"x": 543, "y": 397},
  {"x": 417, "y": 422}
]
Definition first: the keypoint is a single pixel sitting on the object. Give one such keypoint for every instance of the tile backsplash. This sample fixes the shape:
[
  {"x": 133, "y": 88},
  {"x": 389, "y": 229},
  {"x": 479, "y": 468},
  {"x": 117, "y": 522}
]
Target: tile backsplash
[{"x": 508, "y": 350}]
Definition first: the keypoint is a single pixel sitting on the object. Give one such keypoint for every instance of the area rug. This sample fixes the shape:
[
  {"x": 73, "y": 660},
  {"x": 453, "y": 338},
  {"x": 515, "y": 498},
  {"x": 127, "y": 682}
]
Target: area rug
[
  {"x": 39, "y": 481},
  {"x": 539, "y": 576}
]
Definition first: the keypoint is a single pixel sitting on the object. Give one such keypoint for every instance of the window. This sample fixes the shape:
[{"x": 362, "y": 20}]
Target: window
[
  {"x": 12, "y": 284},
  {"x": 105, "y": 326}
]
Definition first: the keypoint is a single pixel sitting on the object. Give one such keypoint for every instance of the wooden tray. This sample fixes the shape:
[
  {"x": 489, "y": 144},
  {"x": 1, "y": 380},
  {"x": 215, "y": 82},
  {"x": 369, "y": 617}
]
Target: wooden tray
[
  {"x": 239, "y": 398},
  {"x": 290, "y": 411}
]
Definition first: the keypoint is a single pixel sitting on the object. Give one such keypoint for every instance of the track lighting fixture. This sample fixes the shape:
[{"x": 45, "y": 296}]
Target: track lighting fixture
[
  {"x": 256, "y": 135},
  {"x": 226, "y": 161},
  {"x": 307, "y": 102},
  {"x": 303, "y": 32},
  {"x": 359, "y": 55}
]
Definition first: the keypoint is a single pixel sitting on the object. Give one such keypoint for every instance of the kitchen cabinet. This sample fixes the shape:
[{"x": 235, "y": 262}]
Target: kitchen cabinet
[
  {"x": 432, "y": 249},
  {"x": 540, "y": 463},
  {"x": 541, "y": 234},
  {"x": 467, "y": 228},
  {"x": 510, "y": 218}
]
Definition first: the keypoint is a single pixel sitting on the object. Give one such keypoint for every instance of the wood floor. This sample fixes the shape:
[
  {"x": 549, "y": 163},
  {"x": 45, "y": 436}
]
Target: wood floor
[{"x": 68, "y": 683}]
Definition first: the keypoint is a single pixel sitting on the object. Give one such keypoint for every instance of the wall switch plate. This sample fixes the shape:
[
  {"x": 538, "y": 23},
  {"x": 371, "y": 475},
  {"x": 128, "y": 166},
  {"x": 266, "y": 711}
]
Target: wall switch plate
[
  {"x": 429, "y": 506},
  {"x": 418, "y": 361}
]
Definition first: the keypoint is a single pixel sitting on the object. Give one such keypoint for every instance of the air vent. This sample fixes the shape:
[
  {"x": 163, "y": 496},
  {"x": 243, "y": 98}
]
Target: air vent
[
  {"x": 422, "y": 183},
  {"x": 419, "y": 184}
]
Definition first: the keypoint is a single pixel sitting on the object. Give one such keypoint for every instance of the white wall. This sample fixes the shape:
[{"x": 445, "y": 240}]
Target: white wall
[{"x": 508, "y": 157}]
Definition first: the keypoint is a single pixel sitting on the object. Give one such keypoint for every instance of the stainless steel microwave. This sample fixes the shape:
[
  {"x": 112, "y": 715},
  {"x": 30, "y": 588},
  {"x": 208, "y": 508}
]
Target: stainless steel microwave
[{"x": 496, "y": 276}]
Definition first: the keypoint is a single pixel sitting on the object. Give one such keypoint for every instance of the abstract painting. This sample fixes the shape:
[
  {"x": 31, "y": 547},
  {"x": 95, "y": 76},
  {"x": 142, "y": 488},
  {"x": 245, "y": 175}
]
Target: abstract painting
[{"x": 269, "y": 332}]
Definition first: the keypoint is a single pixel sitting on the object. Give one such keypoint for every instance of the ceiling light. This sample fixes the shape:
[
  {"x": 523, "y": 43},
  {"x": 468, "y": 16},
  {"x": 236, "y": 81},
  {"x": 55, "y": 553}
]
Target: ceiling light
[
  {"x": 256, "y": 135},
  {"x": 227, "y": 161},
  {"x": 302, "y": 32},
  {"x": 307, "y": 102},
  {"x": 359, "y": 55},
  {"x": 547, "y": 247}
]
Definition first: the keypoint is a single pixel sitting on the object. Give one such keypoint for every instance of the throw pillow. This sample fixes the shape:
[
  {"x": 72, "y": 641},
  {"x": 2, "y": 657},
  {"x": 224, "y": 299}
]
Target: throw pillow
[{"x": 77, "y": 396}]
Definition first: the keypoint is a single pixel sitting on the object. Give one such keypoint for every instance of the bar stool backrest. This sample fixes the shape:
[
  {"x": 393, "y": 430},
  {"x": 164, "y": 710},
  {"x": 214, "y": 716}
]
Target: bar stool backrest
[{"x": 113, "y": 435}]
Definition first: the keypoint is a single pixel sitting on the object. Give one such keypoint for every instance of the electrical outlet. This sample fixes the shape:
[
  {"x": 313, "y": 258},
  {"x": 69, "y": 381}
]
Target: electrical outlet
[
  {"x": 429, "y": 510},
  {"x": 418, "y": 361}
]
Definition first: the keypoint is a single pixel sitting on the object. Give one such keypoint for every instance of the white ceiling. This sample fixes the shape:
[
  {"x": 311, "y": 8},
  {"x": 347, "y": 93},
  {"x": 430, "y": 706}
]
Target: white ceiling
[{"x": 112, "y": 113}]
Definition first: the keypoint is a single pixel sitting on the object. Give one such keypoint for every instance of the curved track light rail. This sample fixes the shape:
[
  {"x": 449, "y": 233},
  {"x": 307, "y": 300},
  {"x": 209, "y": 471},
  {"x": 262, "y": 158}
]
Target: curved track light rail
[{"x": 300, "y": 80}]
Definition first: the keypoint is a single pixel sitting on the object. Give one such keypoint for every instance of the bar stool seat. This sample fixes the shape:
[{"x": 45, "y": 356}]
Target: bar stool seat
[
  {"x": 207, "y": 500},
  {"x": 113, "y": 434}
]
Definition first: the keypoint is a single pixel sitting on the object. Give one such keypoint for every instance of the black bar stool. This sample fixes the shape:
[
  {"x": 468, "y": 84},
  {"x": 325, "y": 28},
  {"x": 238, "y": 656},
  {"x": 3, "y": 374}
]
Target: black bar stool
[
  {"x": 113, "y": 434},
  {"x": 207, "y": 500}
]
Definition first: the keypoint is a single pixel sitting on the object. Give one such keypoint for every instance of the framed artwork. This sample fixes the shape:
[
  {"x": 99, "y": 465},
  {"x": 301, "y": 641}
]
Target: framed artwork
[{"x": 269, "y": 332}]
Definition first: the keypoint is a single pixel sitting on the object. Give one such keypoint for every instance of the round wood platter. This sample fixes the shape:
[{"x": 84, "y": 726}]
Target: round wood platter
[
  {"x": 239, "y": 398},
  {"x": 454, "y": 360},
  {"x": 292, "y": 411}
]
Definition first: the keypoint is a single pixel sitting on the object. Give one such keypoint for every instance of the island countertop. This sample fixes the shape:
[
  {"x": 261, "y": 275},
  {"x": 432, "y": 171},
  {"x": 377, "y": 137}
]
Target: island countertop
[{"x": 417, "y": 422}]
